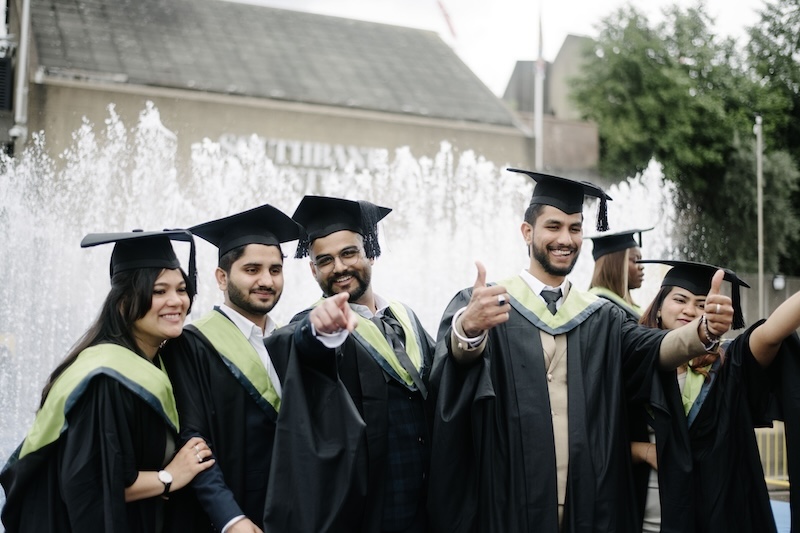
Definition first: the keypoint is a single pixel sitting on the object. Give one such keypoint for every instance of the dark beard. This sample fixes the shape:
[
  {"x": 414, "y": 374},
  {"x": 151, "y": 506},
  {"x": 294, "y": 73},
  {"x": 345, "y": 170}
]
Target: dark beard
[
  {"x": 239, "y": 299},
  {"x": 544, "y": 260},
  {"x": 362, "y": 284}
]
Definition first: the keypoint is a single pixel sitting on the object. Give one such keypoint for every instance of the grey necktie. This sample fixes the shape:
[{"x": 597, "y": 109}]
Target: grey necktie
[
  {"x": 393, "y": 331},
  {"x": 551, "y": 297}
]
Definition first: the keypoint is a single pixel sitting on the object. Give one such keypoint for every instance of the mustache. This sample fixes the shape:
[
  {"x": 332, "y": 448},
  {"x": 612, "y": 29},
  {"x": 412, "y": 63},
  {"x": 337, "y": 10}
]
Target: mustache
[
  {"x": 335, "y": 275},
  {"x": 263, "y": 289}
]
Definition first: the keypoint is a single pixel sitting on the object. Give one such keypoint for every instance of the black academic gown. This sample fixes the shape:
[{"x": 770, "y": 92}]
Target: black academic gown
[
  {"x": 493, "y": 467},
  {"x": 77, "y": 484},
  {"x": 784, "y": 377},
  {"x": 214, "y": 404},
  {"x": 710, "y": 473},
  {"x": 368, "y": 386},
  {"x": 318, "y": 475}
]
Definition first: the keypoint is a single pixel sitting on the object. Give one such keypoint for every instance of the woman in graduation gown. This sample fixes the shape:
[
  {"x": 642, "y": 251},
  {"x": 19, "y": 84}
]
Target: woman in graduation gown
[
  {"x": 100, "y": 455},
  {"x": 616, "y": 270},
  {"x": 709, "y": 476}
]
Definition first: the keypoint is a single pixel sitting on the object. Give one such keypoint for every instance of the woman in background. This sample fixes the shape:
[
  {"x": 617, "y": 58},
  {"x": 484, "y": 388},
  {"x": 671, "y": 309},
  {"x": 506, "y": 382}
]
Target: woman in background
[{"x": 616, "y": 271}]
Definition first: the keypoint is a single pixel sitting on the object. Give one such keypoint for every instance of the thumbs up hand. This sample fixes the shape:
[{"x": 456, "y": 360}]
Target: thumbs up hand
[
  {"x": 718, "y": 308},
  {"x": 487, "y": 307}
]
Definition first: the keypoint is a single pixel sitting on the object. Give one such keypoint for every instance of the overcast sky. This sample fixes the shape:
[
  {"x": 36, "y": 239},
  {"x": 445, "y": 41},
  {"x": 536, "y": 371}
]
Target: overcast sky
[{"x": 491, "y": 39}]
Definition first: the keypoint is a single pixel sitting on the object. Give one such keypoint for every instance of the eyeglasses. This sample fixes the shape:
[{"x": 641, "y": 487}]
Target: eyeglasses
[{"x": 348, "y": 257}]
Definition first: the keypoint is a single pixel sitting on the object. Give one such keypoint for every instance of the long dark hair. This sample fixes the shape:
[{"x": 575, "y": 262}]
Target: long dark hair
[
  {"x": 129, "y": 299},
  {"x": 611, "y": 272},
  {"x": 651, "y": 319}
]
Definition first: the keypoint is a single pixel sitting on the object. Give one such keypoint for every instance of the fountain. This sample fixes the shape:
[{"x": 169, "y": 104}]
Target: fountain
[{"x": 448, "y": 211}]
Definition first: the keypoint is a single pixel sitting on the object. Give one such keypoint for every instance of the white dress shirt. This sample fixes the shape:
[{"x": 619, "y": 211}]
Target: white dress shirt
[
  {"x": 255, "y": 337},
  {"x": 537, "y": 286}
]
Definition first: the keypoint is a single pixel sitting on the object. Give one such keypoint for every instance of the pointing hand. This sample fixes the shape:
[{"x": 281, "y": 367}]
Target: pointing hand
[{"x": 333, "y": 315}]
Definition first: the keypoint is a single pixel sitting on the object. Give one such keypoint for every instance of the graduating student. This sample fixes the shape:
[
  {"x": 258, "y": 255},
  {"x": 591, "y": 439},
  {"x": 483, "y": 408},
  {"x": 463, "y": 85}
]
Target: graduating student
[
  {"x": 529, "y": 430},
  {"x": 100, "y": 455},
  {"x": 616, "y": 271},
  {"x": 228, "y": 388},
  {"x": 709, "y": 469},
  {"x": 383, "y": 357}
]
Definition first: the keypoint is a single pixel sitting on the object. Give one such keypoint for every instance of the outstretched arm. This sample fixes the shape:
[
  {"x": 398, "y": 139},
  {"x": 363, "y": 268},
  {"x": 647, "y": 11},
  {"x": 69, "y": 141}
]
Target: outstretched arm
[{"x": 767, "y": 338}]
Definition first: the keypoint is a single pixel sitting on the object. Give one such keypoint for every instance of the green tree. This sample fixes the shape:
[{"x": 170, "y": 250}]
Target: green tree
[
  {"x": 774, "y": 60},
  {"x": 736, "y": 246},
  {"x": 677, "y": 93}
]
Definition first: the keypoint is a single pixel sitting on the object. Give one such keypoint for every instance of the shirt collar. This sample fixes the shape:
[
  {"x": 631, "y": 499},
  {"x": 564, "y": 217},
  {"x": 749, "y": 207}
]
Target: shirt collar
[
  {"x": 380, "y": 303},
  {"x": 245, "y": 325},
  {"x": 537, "y": 286}
]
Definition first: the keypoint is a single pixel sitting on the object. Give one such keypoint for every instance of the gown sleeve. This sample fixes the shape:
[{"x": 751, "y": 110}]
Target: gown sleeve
[
  {"x": 97, "y": 458},
  {"x": 319, "y": 461},
  {"x": 188, "y": 369}
]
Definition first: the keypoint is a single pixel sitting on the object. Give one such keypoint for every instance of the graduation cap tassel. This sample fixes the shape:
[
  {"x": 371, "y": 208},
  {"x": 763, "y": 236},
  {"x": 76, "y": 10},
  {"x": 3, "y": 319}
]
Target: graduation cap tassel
[
  {"x": 372, "y": 247},
  {"x": 738, "y": 317},
  {"x": 302, "y": 246},
  {"x": 369, "y": 221},
  {"x": 192, "y": 265},
  {"x": 602, "y": 216}
]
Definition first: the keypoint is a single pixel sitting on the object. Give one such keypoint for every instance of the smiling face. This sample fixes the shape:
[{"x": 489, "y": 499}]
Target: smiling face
[
  {"x": 255, "y": 282},
  {"x": 680, "y": 307},
  {"x": 555, "y": 240},
  {"x": 164, "y": 320},
  {"x": 337, "y": 276}
]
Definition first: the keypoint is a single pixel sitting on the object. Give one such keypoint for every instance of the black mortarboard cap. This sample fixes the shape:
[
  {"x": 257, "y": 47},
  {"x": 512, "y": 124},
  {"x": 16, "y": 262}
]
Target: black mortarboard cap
[
  {"x": 261, "y": 225},
  {"x": 144, "y": 249},
  {"x": 567, "y": 195},
  {"x": 322, "y": 215},
  {"x": 696, "y": 278},
  {"x": 614, "y": 242}
]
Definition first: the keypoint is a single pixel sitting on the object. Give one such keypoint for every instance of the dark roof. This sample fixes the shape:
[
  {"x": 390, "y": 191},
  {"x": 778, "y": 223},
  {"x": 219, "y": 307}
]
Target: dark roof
[{"x": 243, "y": 49}]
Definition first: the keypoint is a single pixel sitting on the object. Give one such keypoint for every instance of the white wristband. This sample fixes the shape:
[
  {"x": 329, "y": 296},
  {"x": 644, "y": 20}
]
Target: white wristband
[{"x": 469, "y": 341}]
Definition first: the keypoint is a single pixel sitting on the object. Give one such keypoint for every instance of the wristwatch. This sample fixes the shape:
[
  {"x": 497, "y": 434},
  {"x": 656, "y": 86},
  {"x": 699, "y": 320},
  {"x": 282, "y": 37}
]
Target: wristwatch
[{"x": 165, "y": 478}]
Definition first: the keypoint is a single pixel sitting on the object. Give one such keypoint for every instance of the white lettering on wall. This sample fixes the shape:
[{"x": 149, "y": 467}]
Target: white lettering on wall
[{"x": 308, "y": 154}]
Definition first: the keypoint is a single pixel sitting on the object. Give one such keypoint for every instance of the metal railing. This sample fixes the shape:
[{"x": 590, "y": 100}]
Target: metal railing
[{"x": 772, "y": 449}]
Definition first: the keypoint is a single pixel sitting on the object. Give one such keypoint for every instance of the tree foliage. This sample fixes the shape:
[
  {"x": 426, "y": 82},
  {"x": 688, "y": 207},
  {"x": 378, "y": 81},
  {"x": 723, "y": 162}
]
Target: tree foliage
[
  {"x": 676, "y": 92},
  {"x": 773, "y": 54}
]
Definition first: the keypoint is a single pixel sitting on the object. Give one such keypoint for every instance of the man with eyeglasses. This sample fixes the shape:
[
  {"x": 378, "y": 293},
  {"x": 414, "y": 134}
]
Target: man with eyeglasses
[{"x": 383, "y": 356}]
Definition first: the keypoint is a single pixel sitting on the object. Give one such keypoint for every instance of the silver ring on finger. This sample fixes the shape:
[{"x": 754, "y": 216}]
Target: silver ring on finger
[
  {"x": 199, "y": 459},
  {"x": 501, "y": 300},
  {"x": 718, "y": 308},
  {"x": 196, "y": 448}
]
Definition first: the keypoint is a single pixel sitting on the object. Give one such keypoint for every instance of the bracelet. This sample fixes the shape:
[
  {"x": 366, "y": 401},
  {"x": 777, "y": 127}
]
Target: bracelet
[
  {"x": 713, "y": 340},
  {"x": 469, "y": 341},
  {"x": 709, "y": 335}
]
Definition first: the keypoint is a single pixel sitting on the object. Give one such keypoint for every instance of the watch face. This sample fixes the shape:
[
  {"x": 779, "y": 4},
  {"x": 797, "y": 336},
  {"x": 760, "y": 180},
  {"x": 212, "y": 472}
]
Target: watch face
[{"x": 164, "y": 476}]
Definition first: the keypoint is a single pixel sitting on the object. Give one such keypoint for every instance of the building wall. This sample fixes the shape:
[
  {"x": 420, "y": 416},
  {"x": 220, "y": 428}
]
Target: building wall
[
  {"x": 571, "y": 147},
  {"x": 57, "y": 107},
  {"x": 567, "y": 65},
  {"x": 772, "y": 297}
]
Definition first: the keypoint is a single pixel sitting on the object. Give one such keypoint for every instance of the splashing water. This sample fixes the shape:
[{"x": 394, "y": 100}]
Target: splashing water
[{"x": 448, "y": 211}]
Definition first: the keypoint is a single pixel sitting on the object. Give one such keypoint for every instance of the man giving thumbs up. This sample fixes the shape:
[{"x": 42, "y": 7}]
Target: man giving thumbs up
[{"x": 532, "y": 375}]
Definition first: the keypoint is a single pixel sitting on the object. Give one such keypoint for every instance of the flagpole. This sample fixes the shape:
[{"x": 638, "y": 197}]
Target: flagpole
[{"x": 538, "y": 102}]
